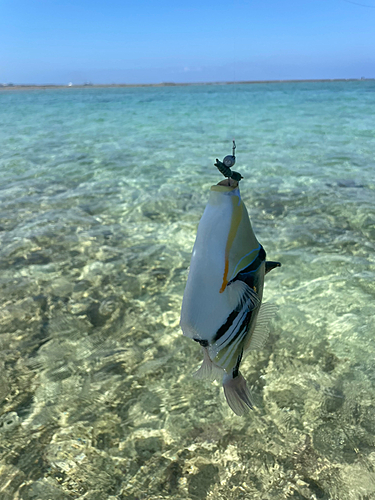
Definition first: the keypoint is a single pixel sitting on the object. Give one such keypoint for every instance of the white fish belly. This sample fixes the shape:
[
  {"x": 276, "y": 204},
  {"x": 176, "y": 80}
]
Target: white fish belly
[{"x": 204, "y": 308}]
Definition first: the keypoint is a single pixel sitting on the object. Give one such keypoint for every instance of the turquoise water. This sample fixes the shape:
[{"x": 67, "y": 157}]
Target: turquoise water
[{"x": 101, "y": 192}]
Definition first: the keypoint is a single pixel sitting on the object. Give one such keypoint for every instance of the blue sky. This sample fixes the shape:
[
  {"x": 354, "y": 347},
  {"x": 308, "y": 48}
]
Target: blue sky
[{"x": 58, "y": 41}]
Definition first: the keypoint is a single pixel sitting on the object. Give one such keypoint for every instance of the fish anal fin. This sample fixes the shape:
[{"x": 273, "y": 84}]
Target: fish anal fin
[
  {"x": 271, "y": 265},
  {"x": 262, "y": 329},
  {"x": 237, "y": 394}
]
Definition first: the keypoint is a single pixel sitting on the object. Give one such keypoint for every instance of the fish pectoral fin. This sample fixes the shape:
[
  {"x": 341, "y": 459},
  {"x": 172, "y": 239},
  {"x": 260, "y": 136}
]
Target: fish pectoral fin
[
  {"x": 237, "y": 394},
  {"x": 262, "y": 327},
  {"x": 241, "y": 294},
  {"x": 271, "y": 265}
]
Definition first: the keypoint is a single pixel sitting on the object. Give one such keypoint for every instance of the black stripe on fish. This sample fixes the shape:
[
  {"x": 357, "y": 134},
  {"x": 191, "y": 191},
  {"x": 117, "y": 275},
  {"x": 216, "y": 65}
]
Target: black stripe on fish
[
  {"x": 237, "y": 367},
  {"x": 240, "y": 330},
  {"x": 238, "y": 320},
  {"x": 231, "y": 347},
  {"x": 232, "y": 331},
  {"x": 225, "y": 327}
]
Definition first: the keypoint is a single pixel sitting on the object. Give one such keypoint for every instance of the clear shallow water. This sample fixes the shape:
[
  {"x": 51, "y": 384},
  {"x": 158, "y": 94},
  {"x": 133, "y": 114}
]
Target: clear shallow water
[{"x": 101, "y": 192}]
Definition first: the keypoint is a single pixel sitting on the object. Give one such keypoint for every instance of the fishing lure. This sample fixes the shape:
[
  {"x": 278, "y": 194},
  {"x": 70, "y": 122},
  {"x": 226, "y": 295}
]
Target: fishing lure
[{"x": 228, "y": 161}]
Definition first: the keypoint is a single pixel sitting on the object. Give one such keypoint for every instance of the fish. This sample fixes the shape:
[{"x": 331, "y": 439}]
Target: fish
[{"x": 222, "y": 307}]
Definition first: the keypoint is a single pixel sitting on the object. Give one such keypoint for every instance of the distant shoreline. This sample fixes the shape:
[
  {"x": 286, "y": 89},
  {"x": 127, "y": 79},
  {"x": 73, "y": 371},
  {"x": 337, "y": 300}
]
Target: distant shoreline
[{"x": 11, "y": 86}]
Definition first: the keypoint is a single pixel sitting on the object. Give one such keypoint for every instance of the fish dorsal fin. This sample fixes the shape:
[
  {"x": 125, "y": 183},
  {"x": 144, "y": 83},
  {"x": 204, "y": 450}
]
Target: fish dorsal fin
[
  {"x": 240, "y": 293},
  {"x": 260, "y": 334}
]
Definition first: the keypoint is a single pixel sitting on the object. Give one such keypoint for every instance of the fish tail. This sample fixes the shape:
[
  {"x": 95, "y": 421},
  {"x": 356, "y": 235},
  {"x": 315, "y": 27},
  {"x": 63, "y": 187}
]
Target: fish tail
[{"x": 237, "y": 393}]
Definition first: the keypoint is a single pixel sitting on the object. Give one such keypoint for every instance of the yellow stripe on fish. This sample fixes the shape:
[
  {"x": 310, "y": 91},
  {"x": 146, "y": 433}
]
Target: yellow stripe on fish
[
  {"x": 245, "y": 240},
  {"x": 236, "y": 219}
]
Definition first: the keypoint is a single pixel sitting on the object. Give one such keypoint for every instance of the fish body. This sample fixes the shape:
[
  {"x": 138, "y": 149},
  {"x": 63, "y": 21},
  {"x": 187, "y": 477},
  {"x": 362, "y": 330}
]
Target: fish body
[{"x": 222, "y": 305}]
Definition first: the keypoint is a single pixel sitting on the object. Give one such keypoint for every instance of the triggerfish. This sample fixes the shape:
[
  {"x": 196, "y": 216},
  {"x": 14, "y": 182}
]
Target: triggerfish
[{"x": 222, "y": 306}]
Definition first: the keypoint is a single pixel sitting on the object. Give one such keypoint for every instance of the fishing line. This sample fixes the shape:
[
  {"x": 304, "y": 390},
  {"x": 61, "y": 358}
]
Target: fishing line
[
  {"x": 230, "y": 160},
  {"x": 235, "y": 88}
]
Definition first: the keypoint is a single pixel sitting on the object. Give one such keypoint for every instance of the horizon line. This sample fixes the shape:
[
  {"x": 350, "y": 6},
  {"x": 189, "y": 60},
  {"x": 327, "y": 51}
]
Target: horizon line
[{"x": 171, "y": 84}]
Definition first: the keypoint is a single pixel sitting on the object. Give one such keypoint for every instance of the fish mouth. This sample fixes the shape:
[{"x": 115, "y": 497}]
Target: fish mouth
[{"x": 225, "y": 185}]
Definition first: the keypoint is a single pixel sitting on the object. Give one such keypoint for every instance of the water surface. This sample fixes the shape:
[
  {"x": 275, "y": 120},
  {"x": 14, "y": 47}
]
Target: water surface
[{"x": 100, "y": 197}]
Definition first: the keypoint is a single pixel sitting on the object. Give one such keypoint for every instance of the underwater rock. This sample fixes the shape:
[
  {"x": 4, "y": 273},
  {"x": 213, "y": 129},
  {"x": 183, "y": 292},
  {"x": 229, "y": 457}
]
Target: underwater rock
[
  {"x": 28, "y": 456},
  {"x": 200, "y": 483},
  {"x": 43, "y": 488},
  {"x": 291, "y": 397},
  {"x": 37, "y": 258},
  {"x": 42, "y": 302},
  {"x": 32, "y": 259},
  {"x": 314, "y": 470},
  {"x": 160, "y": 274},
  {"x": 147, "y": 447},
  {"x": 172, "y": 475},
  {"x": 346, "y": 183},
  {"x": 9, "y": 421},
  {"x": 333, "y": 441},
  {"x": 334, "y": 400},
  {"x": 108, "y": 306},
  {"x": 82, "y": 286},
  {"x": 94, "y": 315},
  {"x": 368, "y": 419},
  {"x": 13, "y": 478}
]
